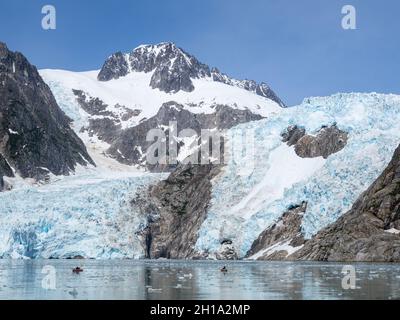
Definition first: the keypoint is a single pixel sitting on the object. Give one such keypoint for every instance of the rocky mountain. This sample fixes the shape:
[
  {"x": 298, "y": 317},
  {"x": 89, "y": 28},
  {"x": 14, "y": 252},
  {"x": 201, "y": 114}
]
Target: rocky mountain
[
  {"x": 173, "y": 70},
  {"x": 35, "y": 134},
  {"x": 130, "y": 146},
  {"x": 174, "y": 210},
  {"x": 287, "y": 187},
  {"x": 146, "y": 89}
]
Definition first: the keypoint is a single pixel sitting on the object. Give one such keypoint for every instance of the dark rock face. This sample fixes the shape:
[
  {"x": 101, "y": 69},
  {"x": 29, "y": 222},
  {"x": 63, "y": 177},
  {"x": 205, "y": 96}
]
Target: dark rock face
[
  {"x": 226, "y": 117},
  {"x": 5, "y": 170},
  {"x": 292, "y": 135},
  {"x": 106, "y": 129},
  {"x": 96, "y": 107},
  {"x": 368, "y": 232},
  {"x": 261, "y": 89},
  {"x": 264, "y": 90},
  {"x": 102, "y": 122},
  {"x": 93, "y": 106},
  {"x": 35, "y": 135},
  {"x": 286, "y": 230},
  {"x": 173, "y": 70},
  {"x": 168, "y": 80},
  {"x": 130, "y": 146},
  {"x": 150, "y": 57},
  {"x": 116, "y": 66},
  {"x": 329, "y": 140},
  {"x": 175, "y": 210}
]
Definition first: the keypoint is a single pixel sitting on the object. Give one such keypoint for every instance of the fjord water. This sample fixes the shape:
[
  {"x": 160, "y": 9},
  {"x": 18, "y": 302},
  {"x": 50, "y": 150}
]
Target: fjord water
[{"x": 133, "y": 279}]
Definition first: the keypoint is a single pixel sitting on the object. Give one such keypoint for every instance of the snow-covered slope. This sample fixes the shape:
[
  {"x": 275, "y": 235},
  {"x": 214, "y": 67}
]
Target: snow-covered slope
[
  {"x": 173, "y": 70},
  {"x": 246, "y": 202},
  {"x": 113, "y": 108},
  {"x": 89, "y": 213},
  {"x": 133, "y": 91}
]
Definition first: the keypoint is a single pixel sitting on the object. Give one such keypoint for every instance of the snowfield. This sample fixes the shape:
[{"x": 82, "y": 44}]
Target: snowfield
[{"x": 133, "y": 91}]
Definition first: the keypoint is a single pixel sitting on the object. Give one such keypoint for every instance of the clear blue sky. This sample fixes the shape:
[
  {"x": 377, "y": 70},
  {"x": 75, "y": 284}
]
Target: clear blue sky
[{"x": 297, "y": 46}]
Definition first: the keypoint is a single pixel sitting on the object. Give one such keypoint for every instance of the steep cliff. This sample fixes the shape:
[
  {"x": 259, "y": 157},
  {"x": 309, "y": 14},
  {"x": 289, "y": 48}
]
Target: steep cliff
[
  {"x": 175, "y": 209},
  {"x": 35, "y": 134}
]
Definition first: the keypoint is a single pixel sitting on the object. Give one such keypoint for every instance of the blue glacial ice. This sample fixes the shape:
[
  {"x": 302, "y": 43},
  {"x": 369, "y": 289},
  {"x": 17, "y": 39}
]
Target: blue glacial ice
[
  {"x": 329, "y": 186},
  {"x": 87, "y": 214}
]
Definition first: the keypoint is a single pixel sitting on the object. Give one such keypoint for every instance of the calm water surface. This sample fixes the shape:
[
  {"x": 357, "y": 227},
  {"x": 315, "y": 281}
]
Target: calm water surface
[{"x": 193, "y": 280}]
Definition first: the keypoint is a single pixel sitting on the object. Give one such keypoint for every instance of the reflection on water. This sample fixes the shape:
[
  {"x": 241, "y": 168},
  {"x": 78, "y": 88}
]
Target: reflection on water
[{"x": 195, "y": 280}]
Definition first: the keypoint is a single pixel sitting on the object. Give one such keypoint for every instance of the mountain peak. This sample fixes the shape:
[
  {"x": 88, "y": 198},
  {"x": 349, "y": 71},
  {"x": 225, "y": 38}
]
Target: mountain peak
[
  {"x": 172, "y": 67},
  {"x": 171, "y": 46},
  {"x": 173, "y": 70}
]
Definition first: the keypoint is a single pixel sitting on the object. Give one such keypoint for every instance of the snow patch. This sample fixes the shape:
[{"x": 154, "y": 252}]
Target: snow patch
[
  {"x": 393, "y": 231},
  {"x": 281, "y": 246}
]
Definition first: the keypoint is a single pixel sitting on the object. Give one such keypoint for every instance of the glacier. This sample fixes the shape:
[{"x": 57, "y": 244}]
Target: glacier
[
  {"x": 87, "y": 214},
  {"x": 245, "y": 202}
]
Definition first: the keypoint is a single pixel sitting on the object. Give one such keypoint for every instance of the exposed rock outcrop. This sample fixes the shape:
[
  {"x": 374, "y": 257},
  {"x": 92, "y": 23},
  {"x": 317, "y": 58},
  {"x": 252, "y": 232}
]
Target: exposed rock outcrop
[
  {"x": 292, "y": 135},
  {"x": 327, "y": 141},
  {"x": 5, "y": 171},
  {"x": 173, "y": 70},
  {"x": 35, "y": 135},
  {"x": 130, "y": 145},
  {"x": 370, "y": 231},
  {"x": 106, "y": 129},
  {"x": 104, "y": 123},
  {"x": 116, "y": 66},
  {"x": 261, "y": 89},
  {"x": 93, "y": 106},
  {"x": 175, "y": 209},
  {"x": 282, "y": 238}
]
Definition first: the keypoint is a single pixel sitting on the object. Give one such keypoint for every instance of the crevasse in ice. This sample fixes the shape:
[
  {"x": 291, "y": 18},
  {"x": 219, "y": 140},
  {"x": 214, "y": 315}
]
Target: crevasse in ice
[{"x": 244, "y": 203}]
